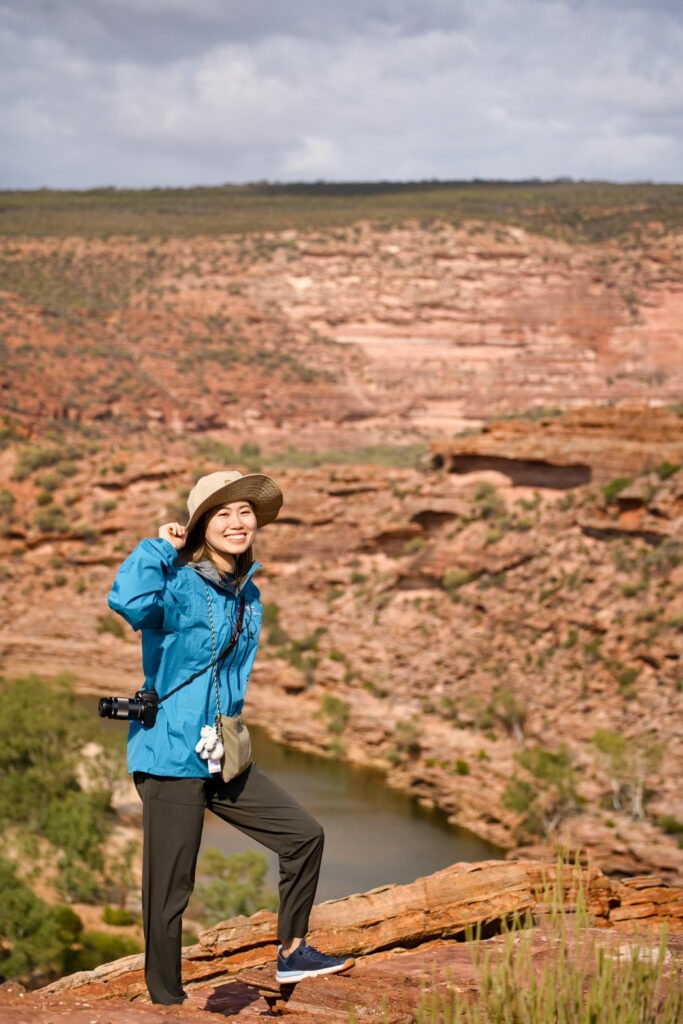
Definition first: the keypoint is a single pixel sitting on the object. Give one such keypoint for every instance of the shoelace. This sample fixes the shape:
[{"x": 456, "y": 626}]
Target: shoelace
[{"x": 313, "y": 953}]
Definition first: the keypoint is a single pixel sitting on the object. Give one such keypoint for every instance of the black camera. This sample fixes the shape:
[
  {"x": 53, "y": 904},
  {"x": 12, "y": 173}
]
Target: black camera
[{"x": 140, "y": 708}]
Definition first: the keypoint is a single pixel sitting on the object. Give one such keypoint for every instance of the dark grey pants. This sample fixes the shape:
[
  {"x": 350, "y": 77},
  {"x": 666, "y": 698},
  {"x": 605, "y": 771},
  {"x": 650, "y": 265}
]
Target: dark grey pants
[{"x": 173, "y": 813}]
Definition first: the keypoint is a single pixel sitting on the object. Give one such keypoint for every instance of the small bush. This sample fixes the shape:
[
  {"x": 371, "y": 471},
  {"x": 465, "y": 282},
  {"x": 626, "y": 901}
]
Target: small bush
[
  {"x": 614, "y": 487},
  {"x": 666, "y": 469},
  {"x": 454, "y": 579},
  {"x": 337, "y": 713},
  {"x": 49, "y": 482},
  {"x": 111, "y": 624},
  {"x": 31, "y": 459},
  {"x": 117, "y": 916},
  {"x": 462, "y": 767},
  {"x": 230, "y": 884},
  {"x": 99, "y": 948},
  {"x": 7, "y": 502},
  {"x": 669, "y": 824},
  {"x": 51, "y": 519}
]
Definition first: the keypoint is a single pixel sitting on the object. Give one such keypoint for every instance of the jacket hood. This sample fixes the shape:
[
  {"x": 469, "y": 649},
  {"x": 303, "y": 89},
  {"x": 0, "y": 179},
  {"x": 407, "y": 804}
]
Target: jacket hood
[{"x": 208, "y": 570}]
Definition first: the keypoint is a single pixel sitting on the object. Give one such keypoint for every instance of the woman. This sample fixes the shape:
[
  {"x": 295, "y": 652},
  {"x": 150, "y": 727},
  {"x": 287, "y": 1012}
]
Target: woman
[{"x": 191, "y": 592}]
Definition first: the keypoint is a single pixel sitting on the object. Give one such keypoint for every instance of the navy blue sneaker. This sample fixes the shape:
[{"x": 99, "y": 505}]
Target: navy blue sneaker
[{"x": 307, "y": 962}]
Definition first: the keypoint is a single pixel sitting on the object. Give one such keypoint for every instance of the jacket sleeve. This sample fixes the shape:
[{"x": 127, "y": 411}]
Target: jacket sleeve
[{"x": 138, "y": 593}]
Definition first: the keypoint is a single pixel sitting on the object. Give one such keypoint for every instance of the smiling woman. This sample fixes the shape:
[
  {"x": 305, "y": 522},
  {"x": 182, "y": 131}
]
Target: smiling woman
[{"x": 191, "y": 593}]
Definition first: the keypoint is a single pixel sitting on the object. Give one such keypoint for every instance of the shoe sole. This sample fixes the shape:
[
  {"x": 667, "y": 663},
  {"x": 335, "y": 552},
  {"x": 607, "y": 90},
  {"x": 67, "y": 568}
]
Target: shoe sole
[{"x": 300, "y": 975}]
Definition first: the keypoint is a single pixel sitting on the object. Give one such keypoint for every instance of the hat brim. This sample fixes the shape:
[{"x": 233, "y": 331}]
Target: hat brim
[{"x": 257, "y": 488}]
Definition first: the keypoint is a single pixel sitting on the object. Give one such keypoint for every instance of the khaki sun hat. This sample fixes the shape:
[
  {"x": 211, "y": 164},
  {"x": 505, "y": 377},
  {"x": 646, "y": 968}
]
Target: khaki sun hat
[{"x": 230, "y": 485}]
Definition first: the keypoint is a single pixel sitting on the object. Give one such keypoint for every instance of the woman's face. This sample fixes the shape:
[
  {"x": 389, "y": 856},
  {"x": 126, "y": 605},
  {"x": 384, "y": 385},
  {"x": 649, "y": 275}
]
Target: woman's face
[{"x": 230, "y": 529}]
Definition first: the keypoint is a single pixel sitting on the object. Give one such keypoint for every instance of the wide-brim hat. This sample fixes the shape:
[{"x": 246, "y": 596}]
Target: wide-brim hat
[{"x": 229, "y": 485}]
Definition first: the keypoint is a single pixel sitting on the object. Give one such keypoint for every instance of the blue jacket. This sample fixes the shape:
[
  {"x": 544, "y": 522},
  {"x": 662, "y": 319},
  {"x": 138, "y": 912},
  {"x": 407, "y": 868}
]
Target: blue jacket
[{"x": 168, "y": 603}]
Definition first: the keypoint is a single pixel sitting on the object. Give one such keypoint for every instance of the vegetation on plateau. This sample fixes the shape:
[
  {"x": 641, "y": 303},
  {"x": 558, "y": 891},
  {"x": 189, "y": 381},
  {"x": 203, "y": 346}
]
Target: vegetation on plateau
[{"x": 576, "y": 211}]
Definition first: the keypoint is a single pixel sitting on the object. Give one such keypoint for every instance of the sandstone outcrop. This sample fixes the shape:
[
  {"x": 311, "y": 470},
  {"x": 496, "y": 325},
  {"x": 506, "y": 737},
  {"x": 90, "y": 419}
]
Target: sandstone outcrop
[
  {"x": 404, "y": 936},
  {"x": 580, "y": 447}
]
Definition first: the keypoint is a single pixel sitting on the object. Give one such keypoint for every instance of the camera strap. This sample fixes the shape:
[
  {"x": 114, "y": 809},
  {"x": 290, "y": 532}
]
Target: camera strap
[{"x": 212, "y": 664}]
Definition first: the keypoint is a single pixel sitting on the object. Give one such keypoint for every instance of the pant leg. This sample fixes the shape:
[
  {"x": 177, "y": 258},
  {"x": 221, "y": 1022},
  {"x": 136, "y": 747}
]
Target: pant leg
[
  {"x": 172, "y": 814},
  {"x": 260, "y": 808}
]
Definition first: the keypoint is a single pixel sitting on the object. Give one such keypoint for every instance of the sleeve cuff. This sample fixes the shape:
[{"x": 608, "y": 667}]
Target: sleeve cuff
[{"x": 164, "y": 549}]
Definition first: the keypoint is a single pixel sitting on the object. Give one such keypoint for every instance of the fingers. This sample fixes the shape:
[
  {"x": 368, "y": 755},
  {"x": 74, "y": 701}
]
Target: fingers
[{"x": 175, "y": 533}]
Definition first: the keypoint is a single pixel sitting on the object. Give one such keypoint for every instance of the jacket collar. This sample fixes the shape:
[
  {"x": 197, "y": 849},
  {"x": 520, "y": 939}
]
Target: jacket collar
[{"x": 208, "y": 571}]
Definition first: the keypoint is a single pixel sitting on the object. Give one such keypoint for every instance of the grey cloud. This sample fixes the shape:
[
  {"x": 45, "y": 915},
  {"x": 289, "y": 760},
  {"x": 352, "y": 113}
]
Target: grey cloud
[
  {"x": 146, "y": 92},
  {"x": 162, "y": 30}
]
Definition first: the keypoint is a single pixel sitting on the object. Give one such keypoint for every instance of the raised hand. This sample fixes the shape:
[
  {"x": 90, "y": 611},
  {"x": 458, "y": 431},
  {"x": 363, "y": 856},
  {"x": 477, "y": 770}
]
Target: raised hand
[{"x": 174, "y": 533}]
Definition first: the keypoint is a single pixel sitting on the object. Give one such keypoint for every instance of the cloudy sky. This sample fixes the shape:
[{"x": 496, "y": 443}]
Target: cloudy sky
[{"x": 183, "y": 92}]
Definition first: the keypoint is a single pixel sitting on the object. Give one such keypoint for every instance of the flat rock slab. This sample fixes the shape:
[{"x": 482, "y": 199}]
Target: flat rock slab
[
  {"x": 376, "y": 990},
  {"x": 385, "y": 988}
]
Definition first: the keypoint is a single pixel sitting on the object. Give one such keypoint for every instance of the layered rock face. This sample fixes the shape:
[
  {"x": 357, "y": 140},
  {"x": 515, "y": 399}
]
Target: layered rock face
[
  {"x": 436, "y": 625},
  {"x": 410, "y": 332},
  {"x": 444, "y": 626},
  {"x": 583, "y": 446},
  {"x": 404, "y": 936}
]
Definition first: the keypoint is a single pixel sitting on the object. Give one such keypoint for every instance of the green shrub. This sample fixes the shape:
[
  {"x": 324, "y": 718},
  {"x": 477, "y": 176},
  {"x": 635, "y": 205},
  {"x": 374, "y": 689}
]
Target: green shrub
[
  {"x": 548, "y": 794},
  {"x": 34, "y": 935},
  {"x": 276, "y": 635},
  {"x": 7, "y": 502},
  {"x": 462, "y": 767},
  {"x": 111, "y": 623},
  {"x": 40, "y": 792},
  {"x": 51, "y": 519},
  {"x": 117, "y": 916},
  {"x": 669, "y": 824},
  {"x": 666, "y": 469},
  {"x": 216, "y": 451},
  {"x": 614, "y": 487},
  {"x": 406, "y": 742},
  {"x": 229, "y": 885},
  {"x": 49, "y": 482},
  {"x": 630, "y": 763},
  {"x": 337, "y": 713},
  {"x": 389, "y": 455},
  {"x": 631, "y": 589},
  {"x": 97, "y": 948},
  {"x": 488, "y": 502},
  {"x": 452, "y": 580},
  {"x": 31, "y": 459},
  {"x": 510, "y": 710},
  {"x": 626, "y": 679},
  {"x": 660, "y": 560}
]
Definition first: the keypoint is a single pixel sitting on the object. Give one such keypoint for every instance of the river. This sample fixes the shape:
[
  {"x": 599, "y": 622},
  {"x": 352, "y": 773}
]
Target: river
[{"x": 373, "y": 834}]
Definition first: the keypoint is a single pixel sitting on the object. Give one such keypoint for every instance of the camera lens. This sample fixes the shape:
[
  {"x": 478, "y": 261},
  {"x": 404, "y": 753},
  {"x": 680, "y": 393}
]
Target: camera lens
[
  {"x": 105, "y": 707},
  {"x": 119, "y": 707}
]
